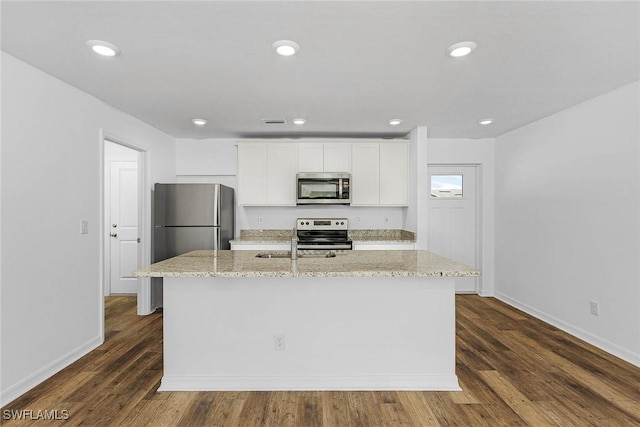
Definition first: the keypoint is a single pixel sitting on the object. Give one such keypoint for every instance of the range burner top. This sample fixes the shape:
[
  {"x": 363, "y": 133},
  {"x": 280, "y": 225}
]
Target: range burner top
[{"x": 323, "y": 233}]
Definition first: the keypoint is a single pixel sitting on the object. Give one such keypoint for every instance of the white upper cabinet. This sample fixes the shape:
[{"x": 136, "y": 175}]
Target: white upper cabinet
[
  {"x": 252, "y": 174},
  {"x": 380, "y": 174},
  {"x": 365, "y": 174},
  {"x": 282, "y": 165},
  {"x": 266, "y": 173},
  {"x": 337, "y": 157},
  {"x": 394, "y": 174},
  {"x": 267, "y": 170},
  {"x": 324, "y": 157},
  {"x": 310, "y": 157}
]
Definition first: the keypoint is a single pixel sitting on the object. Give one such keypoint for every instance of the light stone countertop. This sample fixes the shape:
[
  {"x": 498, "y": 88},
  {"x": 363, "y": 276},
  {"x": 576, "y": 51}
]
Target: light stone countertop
[
  {"x": 407, "y": 263},
  {"x": 377, "y": 236}
]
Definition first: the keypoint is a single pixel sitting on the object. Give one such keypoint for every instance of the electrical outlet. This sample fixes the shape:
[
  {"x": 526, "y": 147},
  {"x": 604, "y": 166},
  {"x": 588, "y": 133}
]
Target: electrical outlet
[
  {"x": 260, "y": 220},
  {"x": 358, "y": 219},
  {"x": 278, "y": 342},
  {"x": 595, "y": 308}
]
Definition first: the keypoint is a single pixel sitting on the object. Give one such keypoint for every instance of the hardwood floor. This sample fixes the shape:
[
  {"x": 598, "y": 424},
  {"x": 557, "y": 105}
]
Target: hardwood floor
[{"x": 514, "y": 371}]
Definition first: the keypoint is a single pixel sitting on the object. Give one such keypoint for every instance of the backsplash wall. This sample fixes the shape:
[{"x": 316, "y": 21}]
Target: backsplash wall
[
  {"x": 275, "y": 217},
  {"x": 281, "y": 217}
]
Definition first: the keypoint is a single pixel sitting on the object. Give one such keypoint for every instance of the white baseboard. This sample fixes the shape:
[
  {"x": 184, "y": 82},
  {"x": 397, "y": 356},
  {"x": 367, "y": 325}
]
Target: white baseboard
[
  {"x": 46, "y": 372},
  {"x": 363, "y": 383},
  {"x": 623, "y": 353}
]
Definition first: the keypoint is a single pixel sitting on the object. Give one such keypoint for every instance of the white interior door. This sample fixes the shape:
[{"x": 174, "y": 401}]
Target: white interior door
[
  {"x": 123, "y": 226},
  {"x": 453, "y": 218}
]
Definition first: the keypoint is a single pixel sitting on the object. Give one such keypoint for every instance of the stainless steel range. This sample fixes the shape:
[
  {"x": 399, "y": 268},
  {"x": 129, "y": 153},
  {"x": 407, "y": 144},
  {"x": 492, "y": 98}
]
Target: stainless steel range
[{"x": 323, "y": 233}]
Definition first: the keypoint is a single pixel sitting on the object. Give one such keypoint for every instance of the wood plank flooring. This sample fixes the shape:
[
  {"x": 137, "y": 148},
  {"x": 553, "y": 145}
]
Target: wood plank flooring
[{"x": 514, "y": 371}]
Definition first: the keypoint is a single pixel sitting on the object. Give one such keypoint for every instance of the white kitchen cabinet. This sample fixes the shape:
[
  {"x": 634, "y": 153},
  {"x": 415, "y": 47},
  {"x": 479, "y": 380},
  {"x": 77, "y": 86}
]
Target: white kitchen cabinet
[
  {"x": 324, "y": 157},
  {"x": 394, "y": 174},
  {"x": 266, "y": 174},
  {"x": 365, "y": 174},
  {"x": 359, "y": 246},
  {"x": 282, "y": 164},
  {"x": 310, "y": 157},
  {"x": 260, "y": 246},
  {"x": 252, "y": 174},
  {"x": 267, "y": 169},
  {"x": 337, "y": 157}
]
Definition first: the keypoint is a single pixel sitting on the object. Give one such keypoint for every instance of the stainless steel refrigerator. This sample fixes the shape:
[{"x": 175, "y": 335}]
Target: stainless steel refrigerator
[{"x": 189, "y": 217}]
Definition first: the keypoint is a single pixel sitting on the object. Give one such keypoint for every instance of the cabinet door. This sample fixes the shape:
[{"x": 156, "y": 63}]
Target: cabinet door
[
  {"x": 337, "y": 157},
  {"x": 252, "y": 174},
  {"x": 282, "y": 165},
  {"x": 394, "y": 178},
  {"x": 310, "y": 157},
  {"x": 383, "y": 246},
  {"x": 365, "y": 174}
]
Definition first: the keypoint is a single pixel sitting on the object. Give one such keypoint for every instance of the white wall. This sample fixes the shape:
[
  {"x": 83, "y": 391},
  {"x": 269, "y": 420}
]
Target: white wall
[
  {"x": 51, "y": 177},
  {"x": 415, "y": 216},
  {"x": 568, "y": 220},
  {"x": 215, "y": 161},
  {"x": 479, "y": 152}
]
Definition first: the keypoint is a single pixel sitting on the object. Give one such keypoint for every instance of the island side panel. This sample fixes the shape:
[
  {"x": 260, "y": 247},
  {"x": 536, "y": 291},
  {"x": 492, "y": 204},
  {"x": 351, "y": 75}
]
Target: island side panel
[{"x": 340, "y": 333}]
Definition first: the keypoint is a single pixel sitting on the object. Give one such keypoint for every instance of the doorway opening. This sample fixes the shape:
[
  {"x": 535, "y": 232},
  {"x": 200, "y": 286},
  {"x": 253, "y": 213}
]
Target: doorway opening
[
  {"x": 124, "y": 165},
  {"x": 453, "y": 217}
]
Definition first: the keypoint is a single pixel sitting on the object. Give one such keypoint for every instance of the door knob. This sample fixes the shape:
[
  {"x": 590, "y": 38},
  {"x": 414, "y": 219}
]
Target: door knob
[
  {"x": 114, "y": 225},
  {"x": 114, "y": 234}
]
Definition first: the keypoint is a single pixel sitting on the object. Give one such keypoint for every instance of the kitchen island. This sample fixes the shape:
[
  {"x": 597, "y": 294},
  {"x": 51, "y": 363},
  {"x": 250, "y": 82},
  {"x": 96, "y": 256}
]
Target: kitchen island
[{"x": 361, "y": 320}]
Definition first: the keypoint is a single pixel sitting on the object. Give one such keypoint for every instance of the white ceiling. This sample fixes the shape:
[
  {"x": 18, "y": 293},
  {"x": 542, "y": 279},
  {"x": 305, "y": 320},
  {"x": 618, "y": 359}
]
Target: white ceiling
[{"x": 360, "y": 63}]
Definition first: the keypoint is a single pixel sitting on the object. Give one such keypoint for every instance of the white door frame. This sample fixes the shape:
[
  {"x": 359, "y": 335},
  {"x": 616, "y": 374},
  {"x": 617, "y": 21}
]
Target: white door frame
[
  {"x": 477, "y": 167},
  {"x": 144, "y": 223}
]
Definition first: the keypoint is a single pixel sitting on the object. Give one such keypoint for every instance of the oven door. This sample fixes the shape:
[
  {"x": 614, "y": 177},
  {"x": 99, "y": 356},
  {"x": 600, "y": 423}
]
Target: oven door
[{"x": 323, "y": 188}]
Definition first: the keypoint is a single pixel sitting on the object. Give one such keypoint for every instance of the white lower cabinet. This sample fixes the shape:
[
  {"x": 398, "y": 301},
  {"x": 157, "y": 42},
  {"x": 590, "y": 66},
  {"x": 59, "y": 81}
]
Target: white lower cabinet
[
  {"x": 260, "y": 246},
  {"x": 383, "y": 246}
]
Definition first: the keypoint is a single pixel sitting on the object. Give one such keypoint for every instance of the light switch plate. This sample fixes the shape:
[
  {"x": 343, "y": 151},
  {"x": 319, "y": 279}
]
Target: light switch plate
[{"x": 84, "y": 226}]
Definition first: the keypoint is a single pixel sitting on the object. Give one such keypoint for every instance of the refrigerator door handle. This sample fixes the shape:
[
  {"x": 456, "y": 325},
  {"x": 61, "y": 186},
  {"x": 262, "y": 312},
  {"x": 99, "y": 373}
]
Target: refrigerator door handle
[
  {"x": 216, "y": 208},
  {"x": 216, "y": 238}
]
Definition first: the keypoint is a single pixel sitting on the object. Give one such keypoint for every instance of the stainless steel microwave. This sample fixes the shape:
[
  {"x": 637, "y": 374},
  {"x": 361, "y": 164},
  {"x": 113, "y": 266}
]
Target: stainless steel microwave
[{"x": 323, "y": 188}]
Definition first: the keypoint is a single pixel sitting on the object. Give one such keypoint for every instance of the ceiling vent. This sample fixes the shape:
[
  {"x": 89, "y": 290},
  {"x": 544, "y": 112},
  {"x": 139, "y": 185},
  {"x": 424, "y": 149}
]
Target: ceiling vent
[{"x": 274, "y": 121}]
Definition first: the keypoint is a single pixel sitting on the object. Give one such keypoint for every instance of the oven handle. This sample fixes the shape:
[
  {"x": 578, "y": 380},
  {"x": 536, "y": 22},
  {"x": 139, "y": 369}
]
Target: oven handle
[{"x": 307, "y": 247}]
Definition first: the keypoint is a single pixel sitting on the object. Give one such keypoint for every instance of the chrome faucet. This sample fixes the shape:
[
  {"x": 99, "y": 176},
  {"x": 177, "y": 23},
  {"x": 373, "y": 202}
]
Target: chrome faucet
[{"x": 294, "y": 244}]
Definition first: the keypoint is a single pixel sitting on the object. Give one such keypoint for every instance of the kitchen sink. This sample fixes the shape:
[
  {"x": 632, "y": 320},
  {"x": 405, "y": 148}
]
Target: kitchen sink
[{"x": 301, "y": 254}]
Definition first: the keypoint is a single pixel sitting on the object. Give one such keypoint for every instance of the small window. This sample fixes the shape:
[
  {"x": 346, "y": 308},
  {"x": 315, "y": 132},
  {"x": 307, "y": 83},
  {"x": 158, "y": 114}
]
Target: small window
[{"x": 446, "y": 186}]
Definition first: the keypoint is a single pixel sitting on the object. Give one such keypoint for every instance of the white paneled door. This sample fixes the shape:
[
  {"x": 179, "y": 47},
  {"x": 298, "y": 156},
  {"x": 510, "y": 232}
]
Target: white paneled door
[
  {"x": 453, "y": 218},
  {"x": 123, "y": 226}
]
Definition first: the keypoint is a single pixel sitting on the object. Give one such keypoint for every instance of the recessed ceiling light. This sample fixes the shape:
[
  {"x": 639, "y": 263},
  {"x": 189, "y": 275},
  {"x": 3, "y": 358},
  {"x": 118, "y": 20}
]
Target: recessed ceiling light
[
  {"x": 461, "y": 49},
  {"x": 299, "y": 121},
  {"x": 395, "y": 122},
  {"x": 103, "y": 48},
  {"x": 485, "y": 122},
  {"x": 199, "y": 122},
  {"x": 286, "y": 47}
]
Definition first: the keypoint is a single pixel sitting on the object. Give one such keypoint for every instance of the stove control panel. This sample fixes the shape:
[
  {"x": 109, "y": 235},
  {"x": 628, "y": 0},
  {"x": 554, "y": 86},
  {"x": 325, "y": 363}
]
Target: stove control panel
[{"x": 322, "y": 224}]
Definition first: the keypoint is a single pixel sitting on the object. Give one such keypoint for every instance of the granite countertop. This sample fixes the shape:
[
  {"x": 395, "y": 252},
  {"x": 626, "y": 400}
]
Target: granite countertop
[
  {"x": 344, "y": 264},
  {"x": 277, "y": 236}
]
